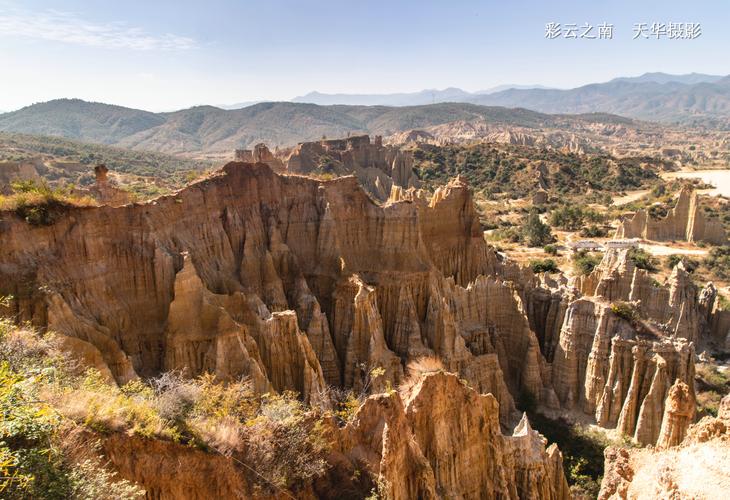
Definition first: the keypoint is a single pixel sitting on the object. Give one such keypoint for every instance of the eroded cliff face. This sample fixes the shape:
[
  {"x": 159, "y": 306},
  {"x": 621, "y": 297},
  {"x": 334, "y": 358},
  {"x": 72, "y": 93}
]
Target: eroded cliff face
[
  {"x": 294, "y": 282},
  {"x": 685, "y": 221},
  {"x": 299, "y": 284},
  {"x": 377, "y": 167},
  {"x": 620, "y": 369},
  {"x": 456, "y": 447}
]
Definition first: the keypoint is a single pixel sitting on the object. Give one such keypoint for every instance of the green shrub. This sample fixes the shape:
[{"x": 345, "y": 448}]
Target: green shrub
[
  {"x": 624, "y": 310},
  {"x": 544, "y": 266},
  {"x": 584, "y": 262},
  {"x": 582, "y": 449},
  {"x": 550, "y": 249},
  {"x": 33, "y": 459},
  {"x": 643, "y": 259},
  {"x": 690, "y": 265},
  {"x": 593, "y": 231}
]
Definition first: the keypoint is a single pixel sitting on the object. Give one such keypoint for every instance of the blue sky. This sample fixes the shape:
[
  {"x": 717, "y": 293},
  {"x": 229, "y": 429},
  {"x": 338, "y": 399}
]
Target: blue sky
[{"x": 164, "y": 55}]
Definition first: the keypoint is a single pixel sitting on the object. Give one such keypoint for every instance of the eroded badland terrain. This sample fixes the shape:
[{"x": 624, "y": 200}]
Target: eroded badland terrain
[{"x": 474, "y": 308}]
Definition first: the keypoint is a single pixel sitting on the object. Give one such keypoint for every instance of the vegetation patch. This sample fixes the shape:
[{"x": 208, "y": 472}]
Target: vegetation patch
[
  {"x": 624, "y": 310},
  {"x": 690, "y": 265},
  {"x": 40, "y": 455},
  {"x": 175, "y": 171},
  {"x": 544, "y": 266},
  {"x": 510, "y": 170},
  {"x": 573, "y": 217},
  {"x": 42, "y": 396},
  {"x": 550, "y": 249},
  {"x": 718, "y": 261},
  {"x": 582, "y": 450},
  {"x": 712, "y": 384},
  {"x": 39, "y": 204},
  {"x": 585, "y": 262},
  {"x": 535, "y": 233},
  {"x": 643, "y": 259}
]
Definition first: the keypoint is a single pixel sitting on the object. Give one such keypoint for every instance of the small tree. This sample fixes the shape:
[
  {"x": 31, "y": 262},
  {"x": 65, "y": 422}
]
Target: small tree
[{"x": 535, "y": 233}]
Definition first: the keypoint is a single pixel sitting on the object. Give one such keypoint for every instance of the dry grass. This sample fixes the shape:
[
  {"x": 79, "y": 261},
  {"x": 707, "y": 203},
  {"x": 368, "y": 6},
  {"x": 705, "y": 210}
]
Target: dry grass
[
  {"x": 39, "y": 204},
  {"x": 223, "y": 435},
  {"x": 15, "y": 201}
]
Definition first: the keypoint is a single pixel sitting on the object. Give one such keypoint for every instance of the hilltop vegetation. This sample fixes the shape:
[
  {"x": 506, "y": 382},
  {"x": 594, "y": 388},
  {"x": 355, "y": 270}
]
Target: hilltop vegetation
[{"x": 517, "y": 171}]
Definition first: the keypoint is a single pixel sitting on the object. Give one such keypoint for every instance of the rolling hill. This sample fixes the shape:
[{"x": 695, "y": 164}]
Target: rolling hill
[
  {"x": 77, "y": 119},
  {"x": 207, "y": 129}
]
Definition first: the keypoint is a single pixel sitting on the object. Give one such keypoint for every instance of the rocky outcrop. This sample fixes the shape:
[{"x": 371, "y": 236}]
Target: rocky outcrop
[
  {"x": 697, "y": 467},
  {"x": 603, "y": 369},
  {"x": 444, "y": 441},
  {"x": 676, "y": 309},
  {"x": 685, "y": 222},
  {"x": 620, "y": 369},
  {"x": 260, "y": 154},
  {"x": 104, "y": 192},
  {"x": 377, "y": 167},
  {"x": 171, "y": 471},
  {"x": 18, "y": 171},
  {"x": 720, "y": 329},
  {"x": 679, "y": 412}
]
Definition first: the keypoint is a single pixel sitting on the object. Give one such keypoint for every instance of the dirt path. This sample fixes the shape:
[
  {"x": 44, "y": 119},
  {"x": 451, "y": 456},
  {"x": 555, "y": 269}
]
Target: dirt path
[
  {"x": 659, "y": 249},
  {"x": 630, "y": 196}
]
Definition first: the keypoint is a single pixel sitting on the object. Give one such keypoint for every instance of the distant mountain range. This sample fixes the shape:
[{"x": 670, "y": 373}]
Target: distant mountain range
[
  {"x": 428, "y": 96},
  {"x": 692, "y": 99},
  {"x": 686, "y": 99},
  {"x": 211, "y": 129},
  {"x": 453, "y": 94}
]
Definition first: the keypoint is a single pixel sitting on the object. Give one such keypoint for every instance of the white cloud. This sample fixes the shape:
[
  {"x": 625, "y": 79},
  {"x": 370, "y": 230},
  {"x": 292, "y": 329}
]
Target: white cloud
[{"x": 66, "y": 27}]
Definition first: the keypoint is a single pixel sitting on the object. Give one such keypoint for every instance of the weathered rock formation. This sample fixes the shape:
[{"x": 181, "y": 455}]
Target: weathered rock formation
[
  {"x": 698, "y": 467},
  {"x": 106, "y": 193},
  {"x": 720, "y": 328},
  {"x": 679, "y": 413},
  {"x": 377, "y": 167},
  {"x": 288, "y": 280},
  {"x": 259, "y": 154},
  {"x": 619, "y": 369},
  {"x": 300, "y": 283},
  {"x": 444, "y": 441},
  {"x": 685, "y": 222}
]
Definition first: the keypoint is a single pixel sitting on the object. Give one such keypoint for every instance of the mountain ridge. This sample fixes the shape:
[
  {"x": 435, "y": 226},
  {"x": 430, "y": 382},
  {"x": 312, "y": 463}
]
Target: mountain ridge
[{"x": 209, "y": 128}]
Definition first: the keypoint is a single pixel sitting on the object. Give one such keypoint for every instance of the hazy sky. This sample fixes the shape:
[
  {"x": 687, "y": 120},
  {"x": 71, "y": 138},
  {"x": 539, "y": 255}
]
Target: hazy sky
[{"x": 164, "y": 55}]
